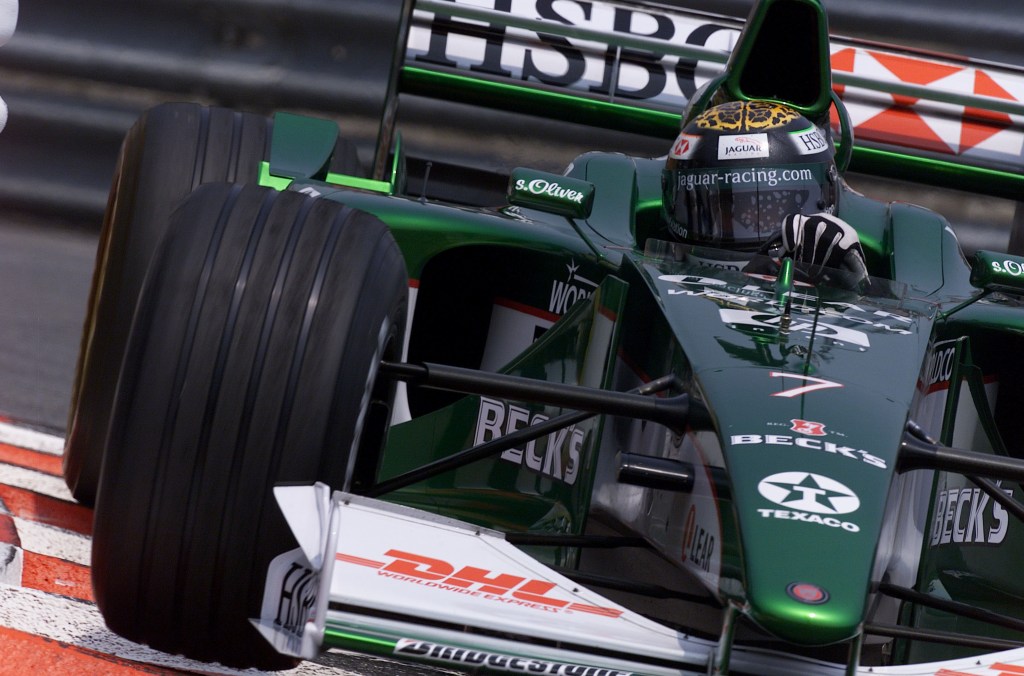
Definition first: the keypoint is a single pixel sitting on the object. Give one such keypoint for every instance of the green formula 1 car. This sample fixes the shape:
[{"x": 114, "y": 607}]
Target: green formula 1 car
[{"x": 548, "y": 437}]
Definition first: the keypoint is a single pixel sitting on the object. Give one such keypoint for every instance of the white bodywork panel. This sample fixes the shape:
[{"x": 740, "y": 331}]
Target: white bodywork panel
[{"x": 445, "y": 591}]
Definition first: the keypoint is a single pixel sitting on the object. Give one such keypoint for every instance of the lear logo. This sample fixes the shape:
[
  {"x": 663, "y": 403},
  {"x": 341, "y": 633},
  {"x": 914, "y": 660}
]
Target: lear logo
[
  {"x": 698, "y": 542},
  {"x": 808, "y": 492}
]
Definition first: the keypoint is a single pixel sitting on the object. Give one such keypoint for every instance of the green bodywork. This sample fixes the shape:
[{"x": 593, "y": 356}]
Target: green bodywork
[
  {"x": 803, "y": 475},
  {"x": 474, "y": 259}
]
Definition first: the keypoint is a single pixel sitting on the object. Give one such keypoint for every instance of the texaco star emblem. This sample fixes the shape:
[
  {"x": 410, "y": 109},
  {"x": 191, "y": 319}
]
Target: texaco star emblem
[{"x": 809, "y": 493}]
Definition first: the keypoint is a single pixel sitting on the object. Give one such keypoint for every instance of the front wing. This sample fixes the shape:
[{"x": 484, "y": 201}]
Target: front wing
[{"x": 383, "y": 579}]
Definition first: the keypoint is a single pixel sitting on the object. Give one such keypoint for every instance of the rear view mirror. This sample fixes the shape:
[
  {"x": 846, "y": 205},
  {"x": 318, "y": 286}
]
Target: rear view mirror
[
  {"x": 994, "y": 271},
  {"x": 552, "y": 193}
]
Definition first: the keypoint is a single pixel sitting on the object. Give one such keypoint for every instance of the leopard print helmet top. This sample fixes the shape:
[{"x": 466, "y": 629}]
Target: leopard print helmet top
[
  {"x": 737, "y": 169},
  {"x": 746, "y": 116}
]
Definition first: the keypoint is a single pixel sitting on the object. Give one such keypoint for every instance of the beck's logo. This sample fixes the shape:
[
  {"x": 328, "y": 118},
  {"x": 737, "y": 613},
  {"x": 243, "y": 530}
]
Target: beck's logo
[
  {"x": 964, "y": 516},
  {"x": 809, "y": 442},
  {"x": 558, "y": 455}
]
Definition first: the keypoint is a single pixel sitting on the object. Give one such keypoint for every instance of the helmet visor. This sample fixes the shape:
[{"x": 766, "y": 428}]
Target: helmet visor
[{"x": 742, "y": 207}]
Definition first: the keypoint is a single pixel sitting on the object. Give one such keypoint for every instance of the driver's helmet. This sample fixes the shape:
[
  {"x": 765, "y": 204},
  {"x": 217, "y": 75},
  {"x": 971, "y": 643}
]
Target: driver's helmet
[{"x": 738, "y": 168}]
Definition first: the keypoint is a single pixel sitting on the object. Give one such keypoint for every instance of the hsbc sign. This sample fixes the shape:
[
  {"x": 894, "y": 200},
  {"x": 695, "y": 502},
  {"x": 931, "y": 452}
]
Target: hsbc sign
[
  {"x": 497, "y": 50},
  {"x": 579, "y": 58}
]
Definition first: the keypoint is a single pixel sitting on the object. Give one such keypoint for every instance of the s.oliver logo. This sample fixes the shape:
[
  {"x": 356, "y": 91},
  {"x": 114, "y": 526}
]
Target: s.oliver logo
[
  {"x": 540, "y": 186},
  {"x": 1008, "y": 267},
  {"x": 514, "y": 590}
]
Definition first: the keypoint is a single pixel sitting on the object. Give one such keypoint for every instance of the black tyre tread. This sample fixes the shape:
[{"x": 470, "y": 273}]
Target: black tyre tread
[
  {"x": 170, "y": 151},
  {"x": 243, "y": 371}
]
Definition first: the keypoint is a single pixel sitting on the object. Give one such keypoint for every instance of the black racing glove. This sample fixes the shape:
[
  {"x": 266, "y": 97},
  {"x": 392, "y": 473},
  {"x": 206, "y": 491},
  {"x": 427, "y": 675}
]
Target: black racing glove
[{"x": 824, "y": 240}]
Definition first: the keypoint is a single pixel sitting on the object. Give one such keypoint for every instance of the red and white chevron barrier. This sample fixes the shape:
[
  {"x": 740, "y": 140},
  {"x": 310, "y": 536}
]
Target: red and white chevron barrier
[{"x": 48, "y": 621}]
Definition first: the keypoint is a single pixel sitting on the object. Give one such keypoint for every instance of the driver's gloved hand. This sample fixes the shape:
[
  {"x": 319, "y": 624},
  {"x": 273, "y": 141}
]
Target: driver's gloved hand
[{"x": 823, "y": 240}]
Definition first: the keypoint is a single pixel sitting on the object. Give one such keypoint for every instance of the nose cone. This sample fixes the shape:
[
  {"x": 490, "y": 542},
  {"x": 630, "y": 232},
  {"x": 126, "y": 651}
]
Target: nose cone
[
  {"x": 805, "y": 613},
  {"x": 809, "y": 542},
  {"x": 809, "y": 558}
]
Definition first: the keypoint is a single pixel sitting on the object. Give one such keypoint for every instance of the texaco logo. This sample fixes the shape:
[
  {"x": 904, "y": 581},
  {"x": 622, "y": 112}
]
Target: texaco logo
[{"x": 809, "y": 493}]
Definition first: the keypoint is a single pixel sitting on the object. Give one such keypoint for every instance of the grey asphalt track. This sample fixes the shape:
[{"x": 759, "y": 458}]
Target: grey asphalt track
[{"x": 45, "y": 272}]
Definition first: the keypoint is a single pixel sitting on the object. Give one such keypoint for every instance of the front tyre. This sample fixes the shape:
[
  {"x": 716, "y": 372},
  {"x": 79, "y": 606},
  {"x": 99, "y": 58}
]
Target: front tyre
[
  {"x": 252, "y": 362},
  {"x": 172, "y": 149}
]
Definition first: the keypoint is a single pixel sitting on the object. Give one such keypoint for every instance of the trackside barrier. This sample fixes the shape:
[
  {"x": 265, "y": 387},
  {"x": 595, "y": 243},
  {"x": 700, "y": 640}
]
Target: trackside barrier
[{"x": 75, "y": 79}]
